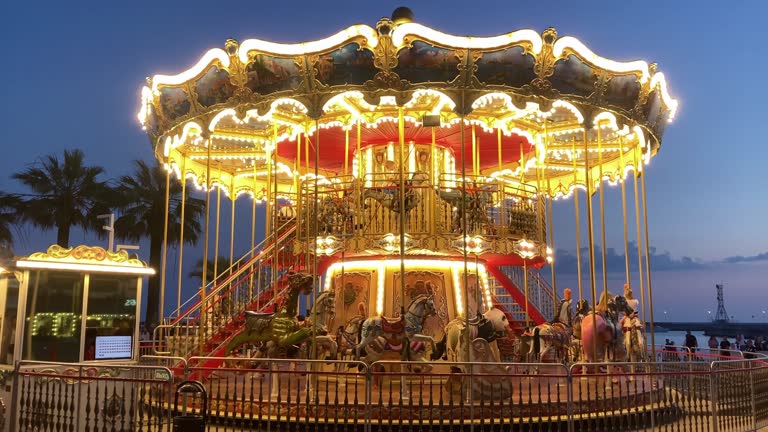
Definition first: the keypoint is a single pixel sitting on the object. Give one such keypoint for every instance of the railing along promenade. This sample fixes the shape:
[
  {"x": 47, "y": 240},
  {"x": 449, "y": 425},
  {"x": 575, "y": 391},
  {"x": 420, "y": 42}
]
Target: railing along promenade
[{"x": 701, "y": 391}]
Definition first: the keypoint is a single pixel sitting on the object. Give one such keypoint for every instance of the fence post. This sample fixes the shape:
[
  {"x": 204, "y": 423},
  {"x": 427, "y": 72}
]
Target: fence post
[
  {"x": 569, "y": 400},
  {"x": 15, "y": 397},
  {"x": 368, "y": 399},
  {"x": 78, "y": 397},
  {"x": 713, "y": 393},
  {"x": 752, "y": 394}
]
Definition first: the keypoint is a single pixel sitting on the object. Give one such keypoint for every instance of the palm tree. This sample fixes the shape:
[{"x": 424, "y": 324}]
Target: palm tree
[
  {"x": 65, "y": 193},
  {"x": 141, "y": 199},
  {"x": 9, "y": 206},
  {"x": 222, "y": 265}
]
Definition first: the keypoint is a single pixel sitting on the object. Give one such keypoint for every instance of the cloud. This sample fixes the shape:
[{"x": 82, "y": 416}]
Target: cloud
[
  {"x": 566, "y": 261},
  {"x": 751, "y": 258}
]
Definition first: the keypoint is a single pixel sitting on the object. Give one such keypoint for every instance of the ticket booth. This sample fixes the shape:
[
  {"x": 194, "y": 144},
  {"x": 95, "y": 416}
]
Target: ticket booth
[{"x": 77, "y": 304}]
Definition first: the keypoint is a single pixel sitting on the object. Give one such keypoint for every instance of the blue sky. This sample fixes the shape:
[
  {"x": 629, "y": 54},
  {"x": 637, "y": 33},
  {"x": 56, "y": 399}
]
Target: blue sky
[{"x": 72, "y": 71}]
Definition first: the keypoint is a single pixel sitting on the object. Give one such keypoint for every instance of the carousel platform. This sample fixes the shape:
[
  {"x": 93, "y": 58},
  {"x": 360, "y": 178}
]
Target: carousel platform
[{"x": 438, "y": 400}]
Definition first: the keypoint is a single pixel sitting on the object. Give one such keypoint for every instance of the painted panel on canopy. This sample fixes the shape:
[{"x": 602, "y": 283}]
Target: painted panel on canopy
[
  {"x": 423, "y": 62},
  {"x": 623, "y": 91},
  {"x": 175, "y": 102},
  {"x": 214, "y": 87},
  {"x": 661, "y": 123},
  {"x": 353, "y": 294},
  {"x": 510, "y": 67},
  {"x": 268, "y": 74},
  {"x": 153, "y": 121},
  {"x": 347, "y": 65},
  {"x": 652, "y": 107},
  {"x": 573, "y": 76}
]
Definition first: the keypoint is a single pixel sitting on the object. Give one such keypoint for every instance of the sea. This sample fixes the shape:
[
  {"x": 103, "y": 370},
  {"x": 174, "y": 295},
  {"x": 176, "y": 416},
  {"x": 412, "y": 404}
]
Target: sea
[{"x": 678, "y": 337}]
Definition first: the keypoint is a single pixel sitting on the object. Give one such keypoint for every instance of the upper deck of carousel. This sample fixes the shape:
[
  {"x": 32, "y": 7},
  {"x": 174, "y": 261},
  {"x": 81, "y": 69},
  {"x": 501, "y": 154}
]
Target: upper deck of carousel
[{"x": 505, "y": 119}]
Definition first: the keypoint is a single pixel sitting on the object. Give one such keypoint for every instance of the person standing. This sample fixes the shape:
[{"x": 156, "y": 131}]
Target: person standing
[
  {"x": 564, "y": 314},
  {"x": 690, "y": 342}
]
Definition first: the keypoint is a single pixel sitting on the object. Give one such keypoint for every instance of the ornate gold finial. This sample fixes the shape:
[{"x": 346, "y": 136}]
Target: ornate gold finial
[
  {"x": 231, "y": 46},
  {"x": 549, "y": 35}
]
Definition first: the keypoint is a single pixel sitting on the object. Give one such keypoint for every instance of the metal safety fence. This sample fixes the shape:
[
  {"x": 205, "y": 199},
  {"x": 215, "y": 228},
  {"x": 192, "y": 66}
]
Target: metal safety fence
[{"x": 696, "y": 393}]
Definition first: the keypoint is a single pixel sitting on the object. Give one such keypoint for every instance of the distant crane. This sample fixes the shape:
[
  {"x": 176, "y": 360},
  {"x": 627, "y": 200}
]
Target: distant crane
[{"x": 721, "y": 315}]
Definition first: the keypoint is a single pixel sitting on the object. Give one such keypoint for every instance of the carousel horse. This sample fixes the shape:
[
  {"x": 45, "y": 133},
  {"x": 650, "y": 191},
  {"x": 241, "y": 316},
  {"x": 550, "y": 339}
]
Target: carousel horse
[
  {"x": 476, "y": 203},
  {"x": 582, "y": 308},
  {"x": 549, "y": 342},
  {"x": 320, "y": 316},
  {"x": 490, "y": 326},
  {"x": 601, "y": 334},
  {"x": 380, "y": 334},
  {"x": 389, "y": 196},
  {"x": 634, "y": 341},
  {"x": 279, "y": 334}
]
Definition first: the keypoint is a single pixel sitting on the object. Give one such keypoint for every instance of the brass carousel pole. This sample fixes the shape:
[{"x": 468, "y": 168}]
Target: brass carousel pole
[
  {"x": 401, "y": 139},
  {"x": 275, "y": 209},
  {"x": 639, "y": 239},
  {"x": 267, "y": 225},
  {"x": 255, "y": 275},
  {"x": 525, "y": 263},
  {"x": 602, "y": 209},
  {"x": 500, "y": 183},
  {"x": 233, "y": 197},
  {"x": 313, "y": 349},
  {"x": 541, "y": 211},
  {"x": 203, "y": 315},
  {"x": 310, "y": 215},
  {"x": 552, "y": 264},
  {"x": 183, "y": 180},
  {"x": 624, "y": 208},
  {"x": 346, "y": 152},
  {"x": 590, "y": 230},
  {"x": 578, "y": 222},
  {"x": 216, "y": 238},
  {"x": 648, "y": 261},
  {"x": 165, "y": 242},
  {"x": 464, "y": 227}
]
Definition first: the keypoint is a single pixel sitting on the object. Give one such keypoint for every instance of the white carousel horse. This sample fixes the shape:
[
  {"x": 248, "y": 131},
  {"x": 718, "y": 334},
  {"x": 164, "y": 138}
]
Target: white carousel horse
[
  {"x": 491, "y": 325},
  {"x": 321, "y": 314},
  {"x": 381, "y": 334},
  {"x": 634, "y": 341}
]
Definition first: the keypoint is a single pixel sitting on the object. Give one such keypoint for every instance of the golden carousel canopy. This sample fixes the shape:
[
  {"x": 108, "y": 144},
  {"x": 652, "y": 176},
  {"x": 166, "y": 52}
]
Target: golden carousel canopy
[{"x": 538, "y": 108}]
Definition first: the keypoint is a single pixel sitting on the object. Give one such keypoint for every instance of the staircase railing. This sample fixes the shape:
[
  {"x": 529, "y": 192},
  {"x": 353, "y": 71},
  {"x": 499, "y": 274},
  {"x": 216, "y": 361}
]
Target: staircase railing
[
  {"x": 244, "y": 286},
  {"x": 539, "y": 290}
]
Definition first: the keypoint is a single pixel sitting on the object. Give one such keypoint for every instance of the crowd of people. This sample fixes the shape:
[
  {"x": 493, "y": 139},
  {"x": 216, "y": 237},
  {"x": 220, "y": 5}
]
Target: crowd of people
[{"x": 722, "y": 347}]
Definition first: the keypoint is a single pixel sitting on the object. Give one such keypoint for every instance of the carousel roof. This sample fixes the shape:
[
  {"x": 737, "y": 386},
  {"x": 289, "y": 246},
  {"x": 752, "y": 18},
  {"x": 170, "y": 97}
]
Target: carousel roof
[{"x": 546, "y": 101}]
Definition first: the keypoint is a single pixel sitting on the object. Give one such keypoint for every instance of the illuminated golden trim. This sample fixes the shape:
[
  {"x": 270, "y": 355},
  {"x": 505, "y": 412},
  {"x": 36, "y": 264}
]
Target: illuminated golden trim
[
  {"x": 92, "y": 268},
  {"x": 309, "y": 47},
  {"x": 483, "y": 43},
  {"x": 207, "y": 58},
  {"x": 570, "y": 42}
]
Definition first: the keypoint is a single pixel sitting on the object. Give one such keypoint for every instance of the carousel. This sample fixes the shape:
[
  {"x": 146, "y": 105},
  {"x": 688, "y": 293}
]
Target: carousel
[{"x": 400, "y": 183}]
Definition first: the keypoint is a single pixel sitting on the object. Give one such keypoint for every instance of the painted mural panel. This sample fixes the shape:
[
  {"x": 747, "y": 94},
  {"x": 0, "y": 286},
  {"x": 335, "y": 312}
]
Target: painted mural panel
[
  {"x": 214, "y": 87},
  {"x": 420, "y": 282},
  {"x": 652, "y": 107},
  {"x": 423, "y": 62},
  {"x": 623, "y": 91},
  {"x": 573, "y": 76},
  {"x": 353, "y": 291},
  {"x": 347, "y": 65},
  {"x": 268, "y": 74},
  {"x": 174, "y": 101},
  {"x": 510, "y": 67}
]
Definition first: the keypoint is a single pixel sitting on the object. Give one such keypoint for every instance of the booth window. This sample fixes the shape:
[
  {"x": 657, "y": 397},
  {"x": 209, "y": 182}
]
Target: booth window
[
  {"x": 54, "y": 308},
  {"x": 111, "y": 317}
]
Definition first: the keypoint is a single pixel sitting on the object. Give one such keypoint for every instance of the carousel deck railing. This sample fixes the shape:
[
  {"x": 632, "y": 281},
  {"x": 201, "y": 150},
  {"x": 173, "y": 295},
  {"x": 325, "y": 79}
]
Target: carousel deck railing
[
  {"x": 347, "y": 207},
  {"x": 717, "y": 394},
  {"x": 247, "y": 285}
]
